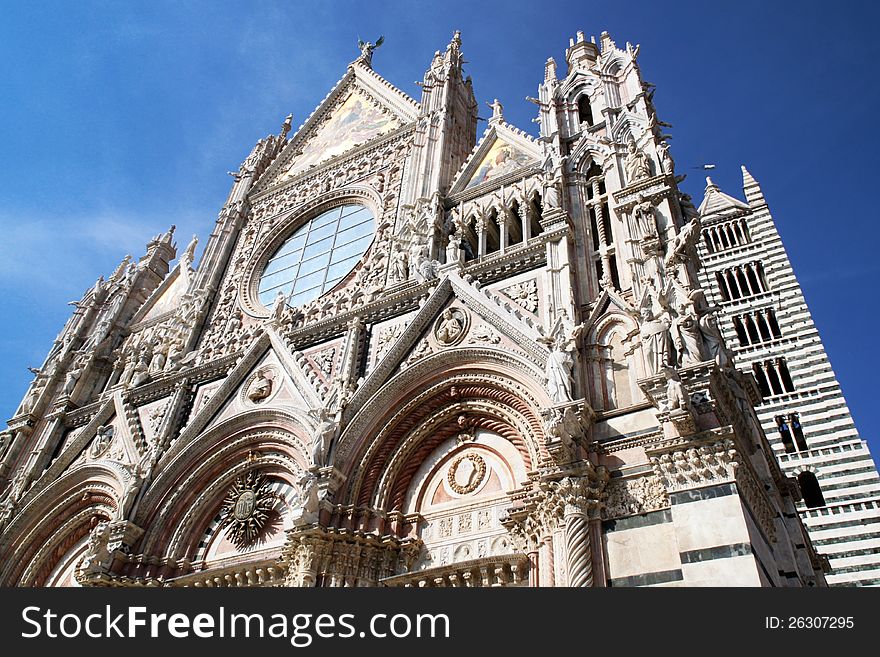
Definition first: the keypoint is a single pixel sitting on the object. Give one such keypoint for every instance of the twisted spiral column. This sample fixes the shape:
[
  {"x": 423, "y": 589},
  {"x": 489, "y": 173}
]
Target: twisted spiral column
[{"x": 578, "y": 553}]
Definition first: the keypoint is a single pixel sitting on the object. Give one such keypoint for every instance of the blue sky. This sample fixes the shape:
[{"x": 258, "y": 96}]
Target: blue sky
[{"x": 119, "y": 119}]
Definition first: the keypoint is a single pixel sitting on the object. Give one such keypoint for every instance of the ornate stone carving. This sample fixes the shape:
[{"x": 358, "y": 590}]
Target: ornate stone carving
[
  {"x": 484, "y": 334},
  {"x": 626, "y": 497},
  {"x": 323, "y": 437},
  {"x": 97, "y": 557},
  {"x": 683, "y": 248},
  {"x": 524, "y": 294},
  {"x": 325, "y": 360},
  {"x": 564, "y": 428},
  {"x": 387, "y": 337},
  {"x": 423, "y": 349},
  {"x": 367, "y": 48},
  {"x": 694, "y": 467},
  {"x": 246, "y": 509},
  {"x": 645, "y": 215},
  {"x": 656, "y": 340},
  {"x": 562, "y": 343},
  {"x": 667, "y": 165}
]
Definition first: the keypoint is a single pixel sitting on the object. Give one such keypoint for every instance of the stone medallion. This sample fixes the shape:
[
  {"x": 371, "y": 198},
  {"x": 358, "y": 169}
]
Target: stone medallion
[
  {"x": 451, "y": 327},
  {"x": 466, "y": 473},
  {"x": 260, "y": 386}
]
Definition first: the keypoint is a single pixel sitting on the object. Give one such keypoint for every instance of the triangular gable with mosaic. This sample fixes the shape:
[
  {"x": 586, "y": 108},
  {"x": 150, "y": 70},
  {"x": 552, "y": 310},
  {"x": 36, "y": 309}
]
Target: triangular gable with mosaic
[
  {"x": 362, "y": 107},
  {"x": 503, "y": 150}
]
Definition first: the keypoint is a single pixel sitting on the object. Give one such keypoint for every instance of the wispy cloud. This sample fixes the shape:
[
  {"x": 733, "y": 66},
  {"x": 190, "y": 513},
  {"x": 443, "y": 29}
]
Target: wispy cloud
[{"x": 52, "y": 254}]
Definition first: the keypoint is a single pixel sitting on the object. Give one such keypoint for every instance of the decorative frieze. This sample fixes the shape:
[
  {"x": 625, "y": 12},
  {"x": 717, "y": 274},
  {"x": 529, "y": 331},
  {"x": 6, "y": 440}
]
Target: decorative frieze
[{"x": 631, "y": 496}]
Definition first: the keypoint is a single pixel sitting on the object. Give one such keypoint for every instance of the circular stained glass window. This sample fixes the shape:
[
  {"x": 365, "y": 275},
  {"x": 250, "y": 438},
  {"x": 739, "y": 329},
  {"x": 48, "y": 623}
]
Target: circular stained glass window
[{"x": 318, "y": 255}]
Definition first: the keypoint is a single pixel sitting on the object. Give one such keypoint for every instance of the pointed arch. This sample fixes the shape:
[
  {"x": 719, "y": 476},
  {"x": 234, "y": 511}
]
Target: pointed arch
[
  {"x": 57, "y": 518},
  {"x": 189, "y": 488},
  {"x": 419, "y": 408}
]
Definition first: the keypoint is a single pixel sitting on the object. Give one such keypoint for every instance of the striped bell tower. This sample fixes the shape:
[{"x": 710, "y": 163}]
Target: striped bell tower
[{"x": 767, "y": 322}]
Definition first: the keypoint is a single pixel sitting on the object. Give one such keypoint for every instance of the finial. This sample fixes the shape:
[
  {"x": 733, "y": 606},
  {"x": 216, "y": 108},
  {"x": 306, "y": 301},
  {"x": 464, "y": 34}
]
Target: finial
[
  {"x": 169, "y": 235},
  {"x": 709, "y": 183},
  {"x": 285, "y": 127}
]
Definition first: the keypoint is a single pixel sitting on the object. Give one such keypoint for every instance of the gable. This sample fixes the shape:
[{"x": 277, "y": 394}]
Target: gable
[
  {"x": 357, "y": 120},
  {"x": 167, "y": 298},
  {"x": 502, "y": 158}
]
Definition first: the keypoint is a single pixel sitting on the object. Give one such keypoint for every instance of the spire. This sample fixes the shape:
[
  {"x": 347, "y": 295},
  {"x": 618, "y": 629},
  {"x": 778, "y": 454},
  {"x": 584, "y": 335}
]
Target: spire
[
  {"x": 581, "y": 53},
  {"x": 714, "y": 200},
  {"x": 550, "y": 70},
  {"x": 752, "y": 189}
]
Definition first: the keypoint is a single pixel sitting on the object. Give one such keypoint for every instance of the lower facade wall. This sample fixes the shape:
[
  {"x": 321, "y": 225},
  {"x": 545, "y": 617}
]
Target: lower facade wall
[{"x": 703, "y": 539}]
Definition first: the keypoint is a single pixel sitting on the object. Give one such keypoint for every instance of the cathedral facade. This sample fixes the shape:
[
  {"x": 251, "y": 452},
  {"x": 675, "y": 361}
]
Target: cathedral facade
[{"x": 415, "y": 355}]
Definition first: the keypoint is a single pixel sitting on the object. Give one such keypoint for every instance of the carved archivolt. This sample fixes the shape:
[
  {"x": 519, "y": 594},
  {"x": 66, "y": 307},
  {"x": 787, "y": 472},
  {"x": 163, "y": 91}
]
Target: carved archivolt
[
  {"x": 189, "y": 487},
  {"x": 468, "y": 364},
  {"x": 388, "y": 452},
  {"x": 62, "y": 508}
]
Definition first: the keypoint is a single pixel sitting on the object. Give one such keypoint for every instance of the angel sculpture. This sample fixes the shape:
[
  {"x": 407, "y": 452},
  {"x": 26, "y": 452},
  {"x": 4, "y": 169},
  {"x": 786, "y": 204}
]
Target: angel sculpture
[{"x": 367, "y": 48}]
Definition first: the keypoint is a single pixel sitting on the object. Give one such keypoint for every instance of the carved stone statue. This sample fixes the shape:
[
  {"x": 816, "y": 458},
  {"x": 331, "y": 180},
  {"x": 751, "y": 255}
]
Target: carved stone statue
[
  {"x": 322, "y": 438},
  {"x": 71, "y": 380},
  {"x": 157, "y": 362},
  {"x": 279, "y": 307},
  {"x": 562, "y": 343},
  {"x": 558, "y": 373},
  {"x": 667, "y": 165},
  {"x": 310, "y": 500},
  {"x": 141, "y": 372},
  {"x": 497, "y": 110},
  {"x": 97, "y": 556},
  {"x": 189, "y": 255},
  {"x": 551, "y": 190},
  {"x": 426, "y": 269},
  {"x": 175, "y": 353},
  {"x": 684, "y": 247},
  {"x": 646, "y": 217},
  {"x": 687, "y": 336},
  {"x": 399, "y": 264},
  {"x": 367, "y": 48},
  {"x": 102, "y": 441},
  {"x": 715, "y": 347},
  {"x": 676, "y": 396},
  {"x": 636, "y": 164},
  {"x": 656, "y": 341}
]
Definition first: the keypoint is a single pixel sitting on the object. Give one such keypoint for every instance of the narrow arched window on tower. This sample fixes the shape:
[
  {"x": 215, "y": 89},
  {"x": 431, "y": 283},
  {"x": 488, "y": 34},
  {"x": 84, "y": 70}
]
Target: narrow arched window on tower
[
  {"x": 585, "y": 112},
  {"x": 811, "y": 490}
]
